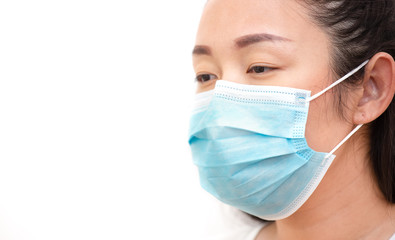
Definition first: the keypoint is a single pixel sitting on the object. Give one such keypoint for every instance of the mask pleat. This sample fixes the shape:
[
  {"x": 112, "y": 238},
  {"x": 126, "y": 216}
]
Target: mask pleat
[
  {"x": 250, "y": 148},
  {"x": 263, "y": 174}
]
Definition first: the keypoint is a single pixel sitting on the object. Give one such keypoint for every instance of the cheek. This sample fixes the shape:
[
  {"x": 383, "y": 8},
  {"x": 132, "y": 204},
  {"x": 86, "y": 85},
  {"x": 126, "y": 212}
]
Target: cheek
[
  {"x": 317, "y": 128},
  {"x": 325, "y": 128},
  {"x": 204, "y": 87}
]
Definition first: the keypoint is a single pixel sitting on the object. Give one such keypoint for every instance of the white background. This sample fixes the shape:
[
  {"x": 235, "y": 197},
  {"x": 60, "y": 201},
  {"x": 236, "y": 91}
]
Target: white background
[{"x": 95, "y": 97}]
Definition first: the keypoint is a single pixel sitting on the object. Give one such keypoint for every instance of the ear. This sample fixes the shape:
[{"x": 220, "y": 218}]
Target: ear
[{"x": 378, "y": 88}]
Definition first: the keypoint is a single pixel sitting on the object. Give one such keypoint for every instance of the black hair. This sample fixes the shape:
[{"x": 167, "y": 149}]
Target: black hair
[{"x": 358, "y": 29}]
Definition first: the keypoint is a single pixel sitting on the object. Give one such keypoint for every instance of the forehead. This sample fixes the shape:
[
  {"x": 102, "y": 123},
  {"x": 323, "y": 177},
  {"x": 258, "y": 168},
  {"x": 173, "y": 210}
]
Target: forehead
[{"x": 228, "y": 19}]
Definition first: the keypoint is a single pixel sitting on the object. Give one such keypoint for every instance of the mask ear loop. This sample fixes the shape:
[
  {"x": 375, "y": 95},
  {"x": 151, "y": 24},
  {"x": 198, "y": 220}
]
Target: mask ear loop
[
  {"x": 338, "y": 81},
  {"x": 330, "y": 154},
  {"x": 344, "y": 140}
]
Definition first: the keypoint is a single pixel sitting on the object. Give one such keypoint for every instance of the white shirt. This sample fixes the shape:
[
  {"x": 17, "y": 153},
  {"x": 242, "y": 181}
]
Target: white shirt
[
  {"x": 232, "y": 224},
  {"x": 229, "y": 223}
]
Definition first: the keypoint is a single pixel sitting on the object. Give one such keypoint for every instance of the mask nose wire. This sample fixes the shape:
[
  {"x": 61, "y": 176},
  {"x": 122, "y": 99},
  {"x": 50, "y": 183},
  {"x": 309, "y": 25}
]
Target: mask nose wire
[{"x": 337, "y": 82}]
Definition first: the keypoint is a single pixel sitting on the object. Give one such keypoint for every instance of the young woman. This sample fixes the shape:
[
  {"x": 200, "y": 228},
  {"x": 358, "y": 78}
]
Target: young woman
[{"x": 295, "y": 114}]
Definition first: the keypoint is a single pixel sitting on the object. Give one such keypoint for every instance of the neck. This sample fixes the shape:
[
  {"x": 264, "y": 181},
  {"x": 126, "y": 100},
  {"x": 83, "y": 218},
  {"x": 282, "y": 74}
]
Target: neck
[
  {"x": 346, "y": 205},
  {"x": 364, "y": 217}
]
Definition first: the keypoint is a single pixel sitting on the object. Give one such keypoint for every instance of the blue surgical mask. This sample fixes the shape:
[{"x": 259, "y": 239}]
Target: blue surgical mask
[{"x": 249, "y": 145}]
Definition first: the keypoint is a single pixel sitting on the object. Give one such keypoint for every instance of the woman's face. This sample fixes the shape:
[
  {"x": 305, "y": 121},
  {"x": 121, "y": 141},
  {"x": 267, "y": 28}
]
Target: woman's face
[{"x": 270, "y": 42}]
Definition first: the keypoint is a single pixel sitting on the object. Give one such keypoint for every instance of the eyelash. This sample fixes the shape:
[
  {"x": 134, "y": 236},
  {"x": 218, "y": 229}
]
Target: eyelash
[
  {"x": 257, "y": 69},
  {"x": 205, "y": 77}
]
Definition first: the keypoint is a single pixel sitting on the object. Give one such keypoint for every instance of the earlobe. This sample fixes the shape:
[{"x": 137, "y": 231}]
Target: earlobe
[{"x": 378, "y": 88}]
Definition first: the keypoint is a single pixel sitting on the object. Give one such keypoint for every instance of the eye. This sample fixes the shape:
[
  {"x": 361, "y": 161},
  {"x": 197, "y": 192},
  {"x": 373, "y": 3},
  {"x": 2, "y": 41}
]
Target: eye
[
  {"x": 259, "y": 69},
  {"x": 205, "y": 77}
]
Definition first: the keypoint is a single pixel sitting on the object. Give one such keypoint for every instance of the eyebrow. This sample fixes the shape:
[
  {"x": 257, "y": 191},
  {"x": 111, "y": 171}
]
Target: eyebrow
[
  {"x": 201, "y": 50},
  {"x": 242, "y": 42},
  {"x": 247, "y": 40}
]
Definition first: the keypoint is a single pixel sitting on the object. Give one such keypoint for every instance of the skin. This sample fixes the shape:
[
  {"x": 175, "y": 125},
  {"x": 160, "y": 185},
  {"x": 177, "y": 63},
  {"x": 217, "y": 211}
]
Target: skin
[{"x": 347, "y": 204}]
